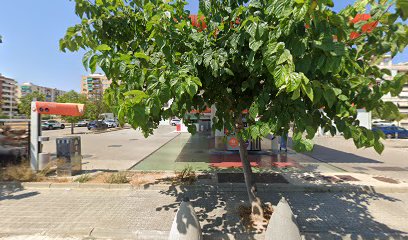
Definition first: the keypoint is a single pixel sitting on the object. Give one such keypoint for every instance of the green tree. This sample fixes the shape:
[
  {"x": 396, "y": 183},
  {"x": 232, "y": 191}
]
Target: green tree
[
  {"x": 73, "y": 97},
  {"x": 294, "y": 61},
  {"x": 95, "y": 108},
  {"x": 24, "y": 107}
]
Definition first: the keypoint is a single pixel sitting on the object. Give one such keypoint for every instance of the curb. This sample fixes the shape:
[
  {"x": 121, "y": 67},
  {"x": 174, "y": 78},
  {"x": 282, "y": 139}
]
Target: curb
[{"x": 221, "y": 187}]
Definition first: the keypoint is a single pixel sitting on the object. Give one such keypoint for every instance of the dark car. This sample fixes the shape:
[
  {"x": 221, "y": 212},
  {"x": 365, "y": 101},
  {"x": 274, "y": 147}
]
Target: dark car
[
  {"x": 97, "y": 125},
  {"x": 393, "y": 131}
]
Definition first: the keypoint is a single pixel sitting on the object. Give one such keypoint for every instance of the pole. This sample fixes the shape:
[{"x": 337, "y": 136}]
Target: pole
[{"x": 35, "y": 132}]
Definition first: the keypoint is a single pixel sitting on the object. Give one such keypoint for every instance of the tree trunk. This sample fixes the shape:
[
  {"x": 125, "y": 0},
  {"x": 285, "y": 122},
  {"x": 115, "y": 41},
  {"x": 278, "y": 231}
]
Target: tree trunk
[
  {"x": 255, "y": 202},
  {"x": 72, "y": 128}
]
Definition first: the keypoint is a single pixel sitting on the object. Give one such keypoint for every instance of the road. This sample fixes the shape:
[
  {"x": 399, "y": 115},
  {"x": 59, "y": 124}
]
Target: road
[
  {"x": 116, "y": 150},
  {"x": 341, "y": 153}
]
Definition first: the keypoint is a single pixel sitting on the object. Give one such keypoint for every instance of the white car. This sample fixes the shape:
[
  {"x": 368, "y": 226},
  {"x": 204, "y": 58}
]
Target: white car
[
  {"x": 174, "y": 122},
  {"x": 52, "y": 124},
  {"x": 382, "y": 123},
  {"x": 111, "y": 123}
]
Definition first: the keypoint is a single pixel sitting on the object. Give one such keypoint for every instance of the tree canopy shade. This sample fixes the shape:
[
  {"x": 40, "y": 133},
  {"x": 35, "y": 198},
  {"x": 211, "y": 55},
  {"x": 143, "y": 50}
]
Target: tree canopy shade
[{"x": 293, "y": 61}]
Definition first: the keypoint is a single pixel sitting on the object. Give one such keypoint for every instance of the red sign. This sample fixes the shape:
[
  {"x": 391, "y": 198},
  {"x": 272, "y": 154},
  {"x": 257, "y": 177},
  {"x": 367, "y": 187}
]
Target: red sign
[{"x": 233, "y": 142}]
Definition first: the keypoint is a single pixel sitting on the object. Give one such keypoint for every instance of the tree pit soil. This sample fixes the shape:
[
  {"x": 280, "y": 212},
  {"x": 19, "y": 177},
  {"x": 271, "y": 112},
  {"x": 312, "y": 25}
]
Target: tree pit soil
[{"x": 254, "y": 223}]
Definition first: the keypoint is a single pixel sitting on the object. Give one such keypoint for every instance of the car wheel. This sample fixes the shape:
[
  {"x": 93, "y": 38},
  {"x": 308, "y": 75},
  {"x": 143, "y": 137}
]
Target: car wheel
[
  {"x": 50, "y": 127},
  {"x": 89, "y": 128},
  {"x": 62, "y": 126},
  {"x": 389, "y": 136}
]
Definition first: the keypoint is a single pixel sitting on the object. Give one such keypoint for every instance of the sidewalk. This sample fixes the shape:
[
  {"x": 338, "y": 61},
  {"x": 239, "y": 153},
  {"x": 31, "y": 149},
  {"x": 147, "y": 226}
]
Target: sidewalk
[{"x": 148, "y": 214}]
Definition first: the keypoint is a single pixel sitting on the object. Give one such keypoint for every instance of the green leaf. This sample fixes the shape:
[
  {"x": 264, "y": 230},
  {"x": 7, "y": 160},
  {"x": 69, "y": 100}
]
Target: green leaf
[
  {"x": 253, "y": 110},
  {"x": 402, "y": 7},
  {"x": 93, "y": 62},
  {"x": 136, "y": 95},
  {"x": 286, "y": 56},
  {"x": 141, "y": 55},
  {"x": 197, "y": 81},
  {"x": 296, "y": 94},
  {"x": 329, "y": 95},
  {"x": 255, "y": 45},
  {"x": 85, "y": 59},
  {"x": 281, "y": 75},
  {"x": 308, "y": 90},
  {"x": 300, "y": 144},
  {"x": 103, "y": 47},
  {"x": 378, "y": 146}
]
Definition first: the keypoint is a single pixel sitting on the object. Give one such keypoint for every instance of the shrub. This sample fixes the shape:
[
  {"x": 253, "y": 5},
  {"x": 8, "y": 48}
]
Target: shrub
[
  {"x": 21, "y": 172},
  {"x": 119, "y": 177},
  {"x": 83, "y": 178},
  {"x": 186, "y": 175}
]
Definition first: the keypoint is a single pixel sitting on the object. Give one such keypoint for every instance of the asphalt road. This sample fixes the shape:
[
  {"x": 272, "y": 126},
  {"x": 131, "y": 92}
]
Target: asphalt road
[
  {"x": 341, "y": 153},
  {"x": 116, "y": 150}
]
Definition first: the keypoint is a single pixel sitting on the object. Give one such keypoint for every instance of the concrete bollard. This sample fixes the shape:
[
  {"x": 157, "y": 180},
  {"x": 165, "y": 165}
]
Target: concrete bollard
[
  {"x": 275, "y": 144},
  {"x": 43, "y": 160},
  {"x": 185, "y": 225},
  {"x": 282, "y": 224}
]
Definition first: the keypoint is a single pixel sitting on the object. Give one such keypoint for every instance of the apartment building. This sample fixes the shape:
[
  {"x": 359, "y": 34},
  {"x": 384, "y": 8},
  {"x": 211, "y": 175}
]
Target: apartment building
[
  {"x": 402, "y": 99},
  {"x": 8, "y": 96},
  {"x": 51, "y": 94},
  {"x": 94, "y": 85}
]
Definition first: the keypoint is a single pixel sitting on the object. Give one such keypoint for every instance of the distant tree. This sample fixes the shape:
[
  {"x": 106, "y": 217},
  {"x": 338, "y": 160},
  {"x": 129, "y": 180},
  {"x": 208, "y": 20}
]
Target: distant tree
[
  {"x": 73, "y": 97},
  {"x": 24, "y": 107},
  {"x": 95, "y": 108},
  {"x": 287, "y": 62}
]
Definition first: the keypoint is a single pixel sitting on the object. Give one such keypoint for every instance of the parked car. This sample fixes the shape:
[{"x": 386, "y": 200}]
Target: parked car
[
  {"x": 111, "y": 123},
  {"x": 174, "y": 122},
  {"x": 392, "y": 131},
  {"x": 382, "y": 123},
  {"x": 52, "y": 124},
  {"x": 82, "y": 123},
  {"x": 97, "y": 125}
]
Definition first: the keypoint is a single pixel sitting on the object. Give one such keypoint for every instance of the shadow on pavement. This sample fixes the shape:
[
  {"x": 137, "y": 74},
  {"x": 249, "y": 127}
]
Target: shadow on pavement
[
  {"x": 11, "y": 192},
  {"x": 330, "y": 155},
  {"x": 320, "y": 215}
]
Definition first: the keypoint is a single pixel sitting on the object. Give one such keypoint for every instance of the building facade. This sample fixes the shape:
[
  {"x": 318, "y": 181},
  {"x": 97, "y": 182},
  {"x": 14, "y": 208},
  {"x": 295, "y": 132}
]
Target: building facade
[
  {"x": 51, "y": 94},
  {"x": 8, "y": 96},
  {"x": 402, "y": 99},
  {"x": 94, "y": 85}
]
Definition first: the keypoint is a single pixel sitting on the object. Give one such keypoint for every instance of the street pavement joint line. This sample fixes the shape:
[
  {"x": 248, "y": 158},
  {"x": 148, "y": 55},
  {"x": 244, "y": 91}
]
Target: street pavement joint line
[{"x": 154, "y": 151}]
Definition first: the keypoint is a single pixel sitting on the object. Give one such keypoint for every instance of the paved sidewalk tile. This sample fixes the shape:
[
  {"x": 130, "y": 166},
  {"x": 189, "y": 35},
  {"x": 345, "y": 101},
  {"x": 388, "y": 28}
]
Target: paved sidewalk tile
[{"x": 126, "y": 214}]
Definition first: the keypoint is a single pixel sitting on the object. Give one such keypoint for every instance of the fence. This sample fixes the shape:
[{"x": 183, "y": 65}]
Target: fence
[{"x": 14, "y": 141}]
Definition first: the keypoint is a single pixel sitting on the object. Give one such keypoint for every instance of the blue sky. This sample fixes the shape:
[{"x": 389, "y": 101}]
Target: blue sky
[{"x": 31, "y": 30}]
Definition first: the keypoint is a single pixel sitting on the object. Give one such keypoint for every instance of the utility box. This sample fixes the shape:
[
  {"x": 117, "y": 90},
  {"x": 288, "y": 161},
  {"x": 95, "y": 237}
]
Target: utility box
[{"x": 69, "y": 155}]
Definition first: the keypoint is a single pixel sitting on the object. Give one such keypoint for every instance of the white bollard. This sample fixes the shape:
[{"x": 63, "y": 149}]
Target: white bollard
[
  {"x": 282, "y": 224},
  {"x": 185, "y": 225},
  {"x": 43, "y": 160},
  {"x": 275, "y": 144}
]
